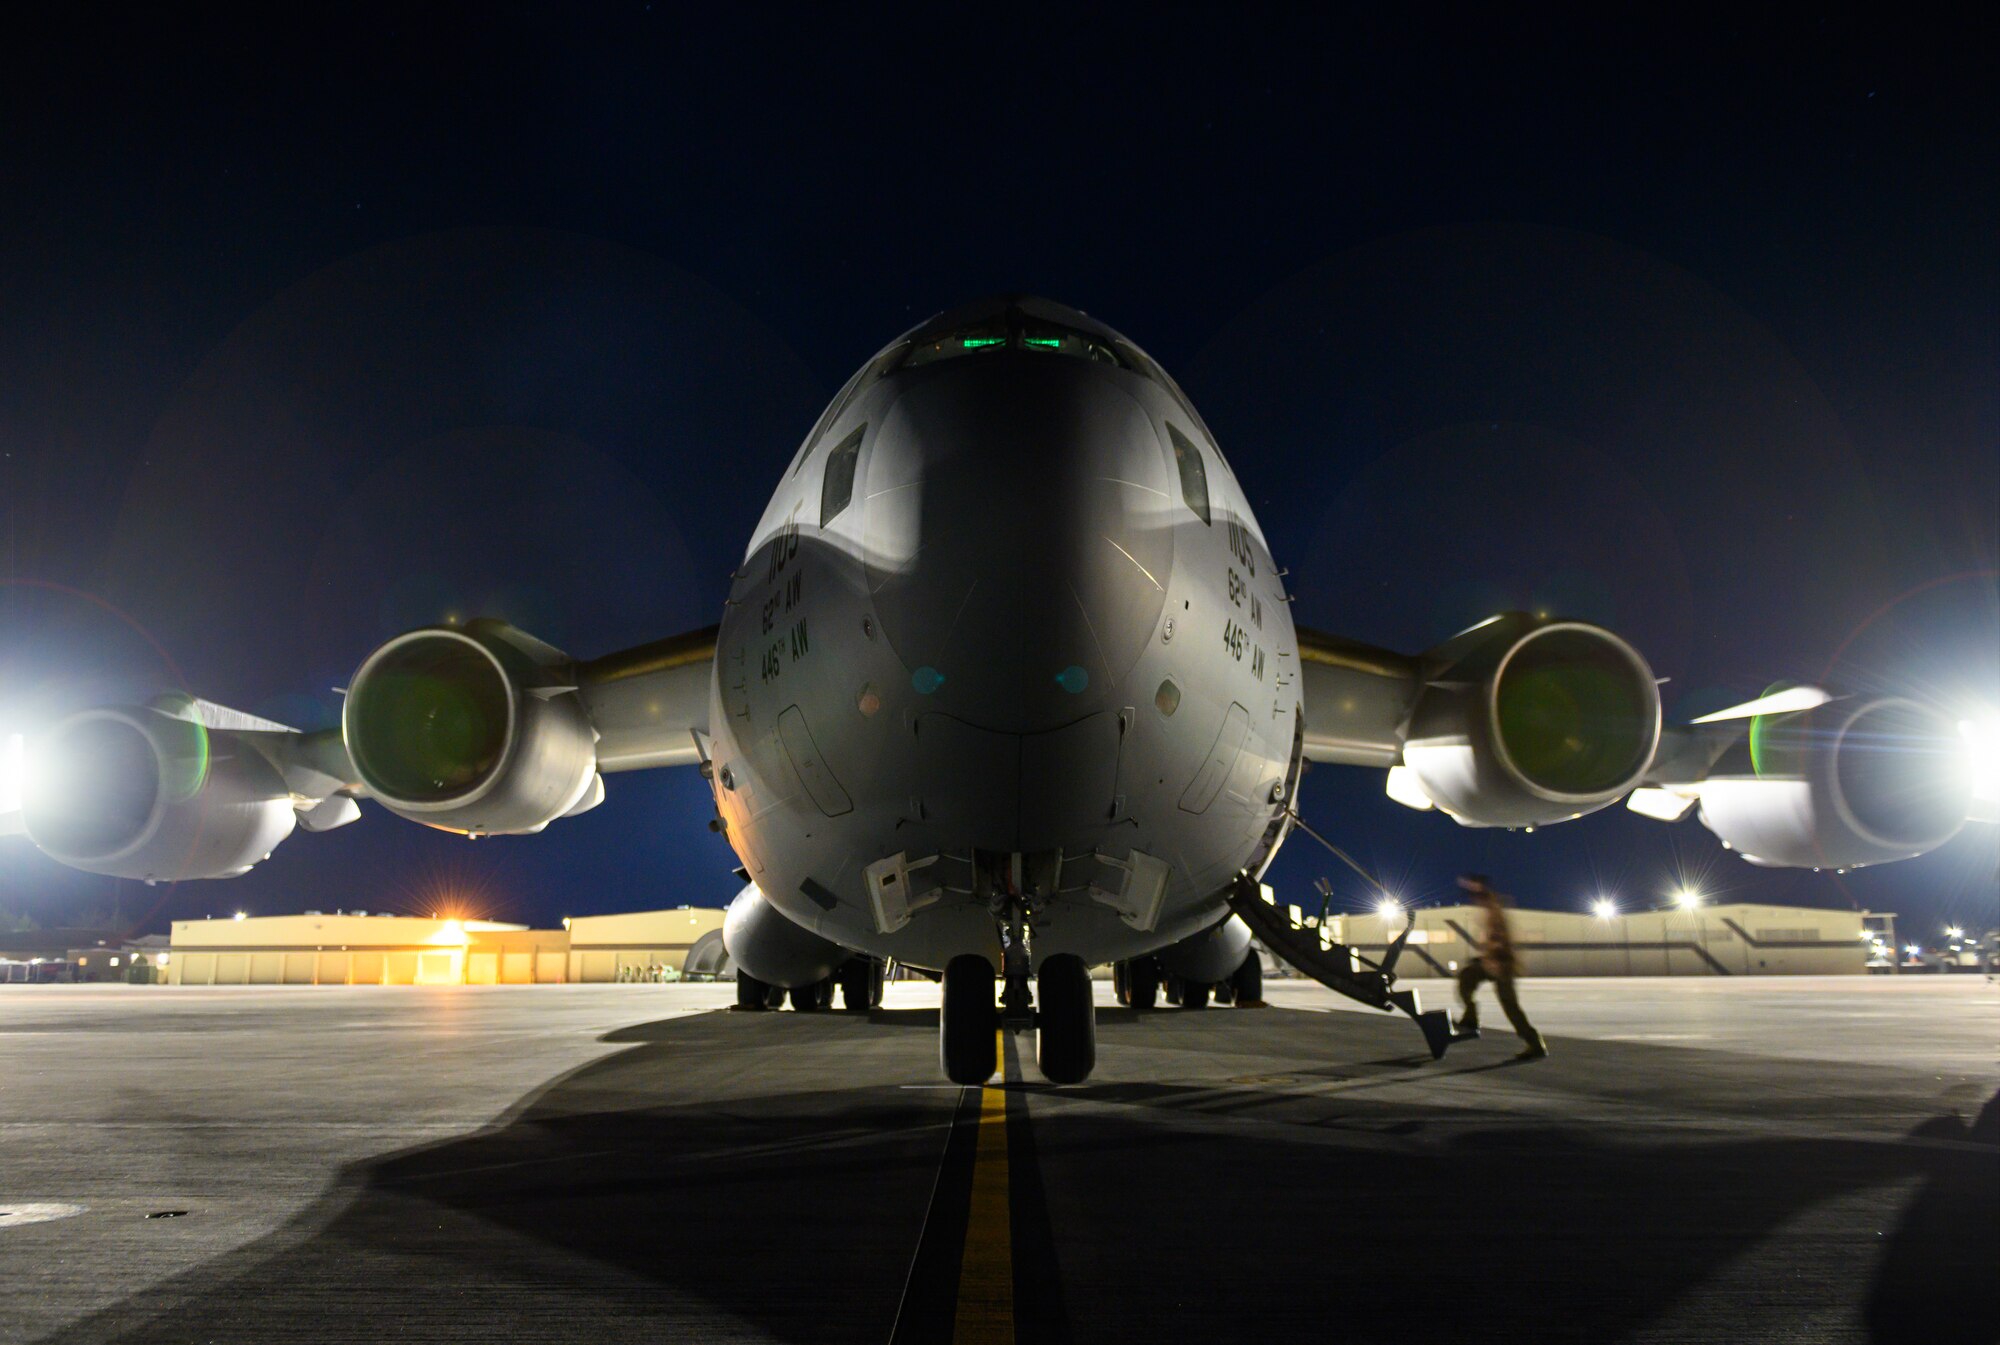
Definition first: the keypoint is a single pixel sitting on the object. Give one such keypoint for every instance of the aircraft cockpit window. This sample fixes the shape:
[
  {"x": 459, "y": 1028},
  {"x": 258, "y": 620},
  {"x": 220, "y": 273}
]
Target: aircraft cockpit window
[
  {"x": 977, "y": 339},
  {"x": 836, "y": 489},
  {"x": 1194, "y": 476},
  {"x": 1013, "y": 331},
  {"x": 1050, "y": 339}
]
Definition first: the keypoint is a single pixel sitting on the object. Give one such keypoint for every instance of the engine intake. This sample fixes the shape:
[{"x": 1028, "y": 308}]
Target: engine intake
[
  {"x": 1843, "y": 785},
  {"x": 139, "y": 792},
  {"x": 1522, "y": 722},
  {"x": 474, "y": 730}
]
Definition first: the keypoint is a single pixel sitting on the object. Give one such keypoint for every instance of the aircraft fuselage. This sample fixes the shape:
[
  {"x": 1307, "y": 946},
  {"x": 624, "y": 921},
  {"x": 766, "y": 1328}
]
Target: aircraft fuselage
[{"x": 1007, "y": 631}]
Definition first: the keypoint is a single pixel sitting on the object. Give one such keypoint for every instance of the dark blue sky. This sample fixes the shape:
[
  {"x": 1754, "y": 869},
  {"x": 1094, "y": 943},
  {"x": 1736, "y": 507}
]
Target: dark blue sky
[{"x": 308, "y": 334}]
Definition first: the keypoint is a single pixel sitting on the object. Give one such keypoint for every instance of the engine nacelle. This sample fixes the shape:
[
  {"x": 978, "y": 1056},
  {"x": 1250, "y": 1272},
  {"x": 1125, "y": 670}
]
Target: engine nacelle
[
  {"x": 477, "y": 731},
  {"x": 138, "y": 792},
  {"x": 768, "y": 945},
  {"x": 1523, "y": 722},
  {"x": 1843, "y": 785}
]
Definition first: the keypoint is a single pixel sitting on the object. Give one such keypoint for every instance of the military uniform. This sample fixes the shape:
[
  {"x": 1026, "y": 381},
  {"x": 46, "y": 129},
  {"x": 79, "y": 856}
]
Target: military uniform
[{"x": 1496, "y": 960}]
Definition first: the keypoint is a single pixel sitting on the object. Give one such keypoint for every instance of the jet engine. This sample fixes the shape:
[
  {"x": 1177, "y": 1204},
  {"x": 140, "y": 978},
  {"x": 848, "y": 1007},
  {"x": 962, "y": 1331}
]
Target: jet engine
[
  {"x": 1841, "y": 785},
  {"x": 766, "y": 944},
  {"x": 139, "y": 792},
  {"x": 476, "y": 730},
  {"x": 1522, "y": 722}
]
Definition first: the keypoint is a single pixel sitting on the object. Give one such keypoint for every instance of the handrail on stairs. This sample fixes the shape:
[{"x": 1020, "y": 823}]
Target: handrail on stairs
[{"x": 1338, "y": 967}]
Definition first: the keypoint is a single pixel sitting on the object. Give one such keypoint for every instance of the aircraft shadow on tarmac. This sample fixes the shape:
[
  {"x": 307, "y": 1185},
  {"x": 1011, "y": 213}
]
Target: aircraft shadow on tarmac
[{"x": 702, "y": 1184}]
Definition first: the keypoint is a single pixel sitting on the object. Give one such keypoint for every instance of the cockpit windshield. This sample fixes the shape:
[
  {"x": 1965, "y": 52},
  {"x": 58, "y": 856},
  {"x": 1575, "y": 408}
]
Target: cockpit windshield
[{"x": 1015, "y": 330}]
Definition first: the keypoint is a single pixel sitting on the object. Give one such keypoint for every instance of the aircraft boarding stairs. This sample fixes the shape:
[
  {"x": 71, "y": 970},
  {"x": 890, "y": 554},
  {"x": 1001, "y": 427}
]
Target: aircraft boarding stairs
[{"x": 1309, "y": 948}]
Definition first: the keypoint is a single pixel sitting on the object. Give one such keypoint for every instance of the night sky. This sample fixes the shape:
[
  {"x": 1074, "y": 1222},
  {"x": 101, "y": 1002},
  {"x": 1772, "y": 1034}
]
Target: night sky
[{"x": 312, "y": 334}]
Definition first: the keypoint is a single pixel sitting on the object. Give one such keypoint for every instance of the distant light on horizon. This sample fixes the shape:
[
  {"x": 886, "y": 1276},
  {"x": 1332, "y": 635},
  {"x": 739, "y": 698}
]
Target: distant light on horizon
[
  {"x": 1389, "y": 908},
  {"x": 1687, "y": 898},
  {"x": 240, "y": 915},
  {"x": 1604, "y": 908}
]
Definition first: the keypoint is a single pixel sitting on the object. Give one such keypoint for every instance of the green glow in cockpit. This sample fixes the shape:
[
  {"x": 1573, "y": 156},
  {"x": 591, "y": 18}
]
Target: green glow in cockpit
[
  {"x": 1045, "y": 342},
  {"x": 977, "y": 342}
]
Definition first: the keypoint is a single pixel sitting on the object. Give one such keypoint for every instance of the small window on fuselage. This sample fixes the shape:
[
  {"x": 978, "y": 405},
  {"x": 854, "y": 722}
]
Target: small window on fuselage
[
  {"x": 1194, "y": 476},
  {"x": 837, "y": 487},
  {"x": 869, "y": 375}
]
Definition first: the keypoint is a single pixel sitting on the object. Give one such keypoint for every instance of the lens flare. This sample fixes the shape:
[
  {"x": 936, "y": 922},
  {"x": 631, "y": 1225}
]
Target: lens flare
[{"x": 13, "y": 772}]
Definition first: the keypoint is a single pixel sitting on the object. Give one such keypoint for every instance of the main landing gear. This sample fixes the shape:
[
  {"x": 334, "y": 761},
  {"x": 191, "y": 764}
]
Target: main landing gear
[
  {"x": 1065, "y": 1020},
  {"x": 860, "y": 984},
  {"x": 859, "y": 980},
  {"x": 752, "y": 993},
  {"x": 1140, "y": 981}
]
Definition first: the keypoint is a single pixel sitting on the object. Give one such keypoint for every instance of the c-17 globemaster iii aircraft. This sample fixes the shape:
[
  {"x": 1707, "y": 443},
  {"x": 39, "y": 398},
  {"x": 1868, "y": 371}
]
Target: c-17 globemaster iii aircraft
[{"x": 1007, "y": 686}]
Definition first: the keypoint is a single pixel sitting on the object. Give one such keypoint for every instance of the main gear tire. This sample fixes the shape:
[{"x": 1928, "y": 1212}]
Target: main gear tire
[
  {"x": 1249, "y": 982},
  {"x": 1142, "y": 983},
  {"x": 860, "y": 985}
]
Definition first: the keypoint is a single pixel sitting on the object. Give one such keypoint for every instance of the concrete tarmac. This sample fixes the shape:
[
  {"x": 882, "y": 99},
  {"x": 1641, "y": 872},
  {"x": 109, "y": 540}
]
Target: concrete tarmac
[{"x": 1774, "y": 1159}]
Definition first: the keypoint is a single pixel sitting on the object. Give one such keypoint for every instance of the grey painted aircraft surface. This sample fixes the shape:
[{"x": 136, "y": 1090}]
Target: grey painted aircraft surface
[{"x": 1006, "y": 686}]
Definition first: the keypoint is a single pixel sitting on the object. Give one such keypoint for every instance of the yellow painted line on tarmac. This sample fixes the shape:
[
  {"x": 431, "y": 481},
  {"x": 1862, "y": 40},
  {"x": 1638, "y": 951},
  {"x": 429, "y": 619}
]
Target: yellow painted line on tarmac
[{"x": 986, "y": 1272}]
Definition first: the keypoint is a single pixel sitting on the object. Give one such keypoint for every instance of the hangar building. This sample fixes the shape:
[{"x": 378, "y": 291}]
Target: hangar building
[
  {"x": 363, "y": 949},
  {"x": 1741, "y": 939}
]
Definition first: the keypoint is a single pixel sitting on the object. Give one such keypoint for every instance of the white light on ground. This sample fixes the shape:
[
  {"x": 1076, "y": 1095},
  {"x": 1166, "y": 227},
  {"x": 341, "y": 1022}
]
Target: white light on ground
[
  {"x": 1604, "y": 908},
  {"x": 1389, "y": 908},
  {"x": 1687, "y": 898},
  {"x": 240, "y": 915},
  {"x": 1955, "y": 933},
  {"x": 1912, "y": 949}
]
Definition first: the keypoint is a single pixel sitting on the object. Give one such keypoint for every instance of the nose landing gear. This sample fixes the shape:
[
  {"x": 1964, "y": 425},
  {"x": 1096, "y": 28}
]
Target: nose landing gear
[
  {"x": 1065, "y": 1021},
  {"x": 1059, "y": 1008}
]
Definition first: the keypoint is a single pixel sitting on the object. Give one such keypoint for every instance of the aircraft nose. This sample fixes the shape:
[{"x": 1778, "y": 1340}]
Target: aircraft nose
[{"x": 1020, "y": 538}]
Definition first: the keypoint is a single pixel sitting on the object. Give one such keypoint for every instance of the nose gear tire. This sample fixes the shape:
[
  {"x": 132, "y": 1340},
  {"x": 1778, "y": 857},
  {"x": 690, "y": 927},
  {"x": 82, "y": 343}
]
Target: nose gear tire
[
  {"x": 1066, "y": 1026},
  {"x": 968, "y": 1021}
]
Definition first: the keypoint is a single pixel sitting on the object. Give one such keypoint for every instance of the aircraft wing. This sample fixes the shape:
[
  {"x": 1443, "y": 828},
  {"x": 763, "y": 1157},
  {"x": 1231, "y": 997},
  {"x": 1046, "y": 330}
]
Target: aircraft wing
[
  {"x": 482, "y": 730},
  {"x": 1524, "y": 721}
]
